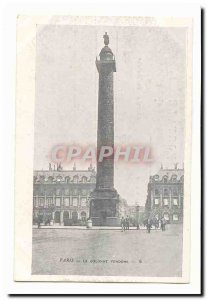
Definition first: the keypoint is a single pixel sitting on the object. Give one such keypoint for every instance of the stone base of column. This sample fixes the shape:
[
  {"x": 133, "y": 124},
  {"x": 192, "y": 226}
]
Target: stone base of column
[
  {"x": 108, "y": 222},
  {"x": 105, "y": 208}
]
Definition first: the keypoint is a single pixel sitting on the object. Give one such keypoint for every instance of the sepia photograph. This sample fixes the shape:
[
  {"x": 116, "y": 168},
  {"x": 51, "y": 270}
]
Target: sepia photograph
[{"x": 109, "y": 137}]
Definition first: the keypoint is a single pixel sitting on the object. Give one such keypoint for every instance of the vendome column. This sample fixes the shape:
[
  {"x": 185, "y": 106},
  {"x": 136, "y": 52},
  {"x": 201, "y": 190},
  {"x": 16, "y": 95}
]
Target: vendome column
[{"x": 105, "y": 203}]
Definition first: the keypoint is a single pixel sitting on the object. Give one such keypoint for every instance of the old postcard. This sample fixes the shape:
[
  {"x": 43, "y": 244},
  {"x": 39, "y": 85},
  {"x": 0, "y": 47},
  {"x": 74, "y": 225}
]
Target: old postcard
[{"x": 103, "y": 147}]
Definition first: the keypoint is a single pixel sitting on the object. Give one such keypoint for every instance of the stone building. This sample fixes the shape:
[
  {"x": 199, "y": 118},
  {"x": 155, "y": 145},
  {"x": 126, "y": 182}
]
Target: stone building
[
  {"x": 165, "y": 195},
  {"x": 62, "y": 197}
]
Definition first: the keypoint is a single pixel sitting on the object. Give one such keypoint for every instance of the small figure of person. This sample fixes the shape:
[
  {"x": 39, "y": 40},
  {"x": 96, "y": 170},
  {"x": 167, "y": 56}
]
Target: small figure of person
[
  {"x": 138, "y": 225},
  {"x": 163, "y": 223},
  {"x": 123, "y": 224},
  {"x": 127, "y": 223},
  {"x": 160, "y": 223},
  {"x": 149, "y": 224},
  {"x": 38, "y": 222}
]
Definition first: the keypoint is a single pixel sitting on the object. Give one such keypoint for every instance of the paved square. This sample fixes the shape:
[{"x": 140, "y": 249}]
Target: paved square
[{"x": 108, "y": 252}]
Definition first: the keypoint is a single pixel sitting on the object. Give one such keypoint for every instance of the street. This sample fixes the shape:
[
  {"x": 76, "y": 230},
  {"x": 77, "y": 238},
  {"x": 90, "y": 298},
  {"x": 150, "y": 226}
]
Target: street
[{"x": 108, "y": 252}]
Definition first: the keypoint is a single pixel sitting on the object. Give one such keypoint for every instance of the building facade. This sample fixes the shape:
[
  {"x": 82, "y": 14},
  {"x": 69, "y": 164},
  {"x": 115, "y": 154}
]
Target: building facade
[
  {"x": 62, "y": 197},
  {"x": 165, "y": 195}
]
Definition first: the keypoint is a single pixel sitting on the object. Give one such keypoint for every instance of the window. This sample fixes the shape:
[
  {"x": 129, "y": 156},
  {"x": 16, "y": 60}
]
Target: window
[
  {"x": 175, "y": 192},
  {"x": 41, "y": 201},
  {"x": 165, "y": 202},
  {"x": 58, "y": 192},
  {"x": 59, "y": 178},
  {"x": 157, "y": 192},
  {"x": 83, "y": 201},
  {"x": 84, "y": 179},
  {"x": 66, "y": 191},
  {"x": 156, "y": 201},
  {"x": 84, "y": 192},
  {"x": 175, "y": 201},
  {"x": 166, "y": 216},
  {"x": 174, "y": 177},
  {"x": 35, "y": 202},
  {"x": 67, "y": 202},
  {"x": 50, "y": 179},
  {"x": 75, "y": 201},
  {"x": 57, "y": 201},
  {"x": 67, "y": 179},
  {"x": 166, "y": 192},
  {"x": 175, "y": 217},
  {"x": 83, "y": 216},
  {"x": 75, "y": 179},
  {"x": 49, "y": 201},
  {"x": 165, "y": 179}
]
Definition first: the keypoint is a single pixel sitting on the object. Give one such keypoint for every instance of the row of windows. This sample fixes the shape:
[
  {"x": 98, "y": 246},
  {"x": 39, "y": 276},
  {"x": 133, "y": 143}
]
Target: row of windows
[
  {"x": 175, "y": 217},
  {"x": 166, "y": 191},
  {"x": 67, "y": 191},
  {"x": 166, "y": 179},
  {"x": 166, "y": 202},
  {"x": 67, "y": 179},
  {"x": 57, "y": 202}
]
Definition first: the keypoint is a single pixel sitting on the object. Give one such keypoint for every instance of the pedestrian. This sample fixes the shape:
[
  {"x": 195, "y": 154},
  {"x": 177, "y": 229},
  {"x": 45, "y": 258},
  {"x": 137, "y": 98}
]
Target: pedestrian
[
  {"x": 123, "y": 224},
  {"x": 149, "y": 224},
  {"x": 163, "y": 222},
  {"x": 127, "y": 223},
  {"x": 38, "y": 222}
]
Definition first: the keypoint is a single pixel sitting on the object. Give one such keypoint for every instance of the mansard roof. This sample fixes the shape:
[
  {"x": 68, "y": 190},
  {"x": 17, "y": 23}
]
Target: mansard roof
[
  {"x": 169, "y": 174},
  {"x": 64, "y": 174}
]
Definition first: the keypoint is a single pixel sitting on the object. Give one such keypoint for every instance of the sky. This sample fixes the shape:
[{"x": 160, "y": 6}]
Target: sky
[{"x": 149, "y": 96}]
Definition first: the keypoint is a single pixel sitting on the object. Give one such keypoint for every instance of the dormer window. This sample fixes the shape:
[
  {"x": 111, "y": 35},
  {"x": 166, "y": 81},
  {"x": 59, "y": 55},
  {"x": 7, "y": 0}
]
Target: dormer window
[
  {"x": 174, "y": 178},
  {"x": 165, "y": 179},
  {"x": 75, "y": 179},
  {"x": 59, "y": 178}
]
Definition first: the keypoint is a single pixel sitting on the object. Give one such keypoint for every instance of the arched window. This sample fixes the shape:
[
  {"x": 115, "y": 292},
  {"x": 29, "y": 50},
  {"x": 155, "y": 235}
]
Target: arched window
[
  {"x": 50, "y": 179},
  {"x": 84, "y": 179},
  {"x": 174, "y": 178},
  {"x": 59, "y": 178},
  {"x": 74, "y": 216},
  {"x": 57, "y": 217},
  {"x": 67, "y": 179}
]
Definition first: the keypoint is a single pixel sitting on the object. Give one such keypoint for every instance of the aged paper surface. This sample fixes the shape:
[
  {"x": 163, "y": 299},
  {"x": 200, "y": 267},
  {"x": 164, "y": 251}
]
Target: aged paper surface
[{"x": 103, "y": 145}]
